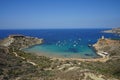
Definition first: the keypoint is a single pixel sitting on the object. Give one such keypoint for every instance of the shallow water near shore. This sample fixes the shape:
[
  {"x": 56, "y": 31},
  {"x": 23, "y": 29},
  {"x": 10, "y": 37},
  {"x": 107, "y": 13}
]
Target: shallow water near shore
[
  {"x": 67, "y": 43},
  {"x": 63, "y": 51}
]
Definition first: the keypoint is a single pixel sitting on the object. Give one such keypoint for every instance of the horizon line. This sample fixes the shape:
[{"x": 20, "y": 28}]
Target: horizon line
[{"x": 54, "y": 28}]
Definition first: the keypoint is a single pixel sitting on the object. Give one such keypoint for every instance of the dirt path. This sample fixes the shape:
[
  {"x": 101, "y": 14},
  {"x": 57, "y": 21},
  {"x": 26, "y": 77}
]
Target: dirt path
[{"x": 24, "y": 58}]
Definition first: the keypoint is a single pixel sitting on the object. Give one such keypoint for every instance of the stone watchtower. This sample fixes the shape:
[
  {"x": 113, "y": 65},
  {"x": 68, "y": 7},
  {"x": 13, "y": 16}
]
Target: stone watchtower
[{"x": 103, "y": 37}]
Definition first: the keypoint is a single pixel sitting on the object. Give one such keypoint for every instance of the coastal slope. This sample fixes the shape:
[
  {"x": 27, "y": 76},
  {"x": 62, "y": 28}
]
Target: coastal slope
[
  {"x": 18, "y": 41},
  {"x": 16, "y": 64},
  {"x": 110, "y": 46}
]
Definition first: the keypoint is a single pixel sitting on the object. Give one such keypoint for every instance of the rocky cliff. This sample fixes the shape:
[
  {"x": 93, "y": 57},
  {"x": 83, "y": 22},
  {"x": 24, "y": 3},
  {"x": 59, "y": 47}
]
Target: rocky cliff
[
  {"x": 20, "y": 41},
  {"x": 112, "y": 47}
]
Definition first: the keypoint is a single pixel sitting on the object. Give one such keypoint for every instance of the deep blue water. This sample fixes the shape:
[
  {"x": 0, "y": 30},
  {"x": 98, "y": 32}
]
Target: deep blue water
[{"x": 63, "y": 42}]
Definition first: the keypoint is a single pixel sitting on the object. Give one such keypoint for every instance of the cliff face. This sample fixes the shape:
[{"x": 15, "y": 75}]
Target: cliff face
[
  {"x": 19, "y": 42},
  {"x": 108, "y": 45}
]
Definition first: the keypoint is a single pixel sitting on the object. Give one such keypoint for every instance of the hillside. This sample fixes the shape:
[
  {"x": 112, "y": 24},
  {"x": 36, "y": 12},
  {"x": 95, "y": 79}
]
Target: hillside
[
  {"x": 112, "y": 47},
  {"x": 19, "y": 65}
]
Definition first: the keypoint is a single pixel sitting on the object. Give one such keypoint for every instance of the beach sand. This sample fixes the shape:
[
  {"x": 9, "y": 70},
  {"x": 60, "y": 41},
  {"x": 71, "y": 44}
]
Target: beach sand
[{"x": 75, "y": 57}]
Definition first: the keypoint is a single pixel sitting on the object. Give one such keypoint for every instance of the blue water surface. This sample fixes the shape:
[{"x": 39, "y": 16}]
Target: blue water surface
[{"x": 63, "y": 42}]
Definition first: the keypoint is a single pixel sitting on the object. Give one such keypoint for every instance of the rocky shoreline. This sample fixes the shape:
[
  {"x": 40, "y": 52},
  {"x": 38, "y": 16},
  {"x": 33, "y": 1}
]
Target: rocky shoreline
[
  {"x": 106, "y": 44},
  {"x": 16, "y": 64},
  {"x": 102, "y": 47},
  {"x": 20, "y": 41}
]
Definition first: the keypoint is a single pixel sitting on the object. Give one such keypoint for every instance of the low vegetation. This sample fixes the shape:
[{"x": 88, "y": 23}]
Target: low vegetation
[{"x": 16, "y": 64}]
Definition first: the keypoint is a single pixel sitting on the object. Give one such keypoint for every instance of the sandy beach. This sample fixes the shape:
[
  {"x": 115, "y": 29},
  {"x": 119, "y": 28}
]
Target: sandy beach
[
  {"x": 61, "y": 58},
  {"x": 83, "y": 60}
]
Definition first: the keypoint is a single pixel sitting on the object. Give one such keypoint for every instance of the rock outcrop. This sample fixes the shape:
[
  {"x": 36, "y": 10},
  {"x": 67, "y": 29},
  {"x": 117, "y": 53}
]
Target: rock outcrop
[
  {"x": 112, "y": 47},
  {"x": 20, "y": 41},
  {"x": 107, "y": 44}
]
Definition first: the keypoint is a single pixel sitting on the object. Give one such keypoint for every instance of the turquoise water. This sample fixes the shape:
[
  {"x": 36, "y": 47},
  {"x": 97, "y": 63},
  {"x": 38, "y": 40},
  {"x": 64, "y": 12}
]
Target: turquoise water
[
  {"x": 63, "y": 42},
  {"x": 64, "y": 50}
]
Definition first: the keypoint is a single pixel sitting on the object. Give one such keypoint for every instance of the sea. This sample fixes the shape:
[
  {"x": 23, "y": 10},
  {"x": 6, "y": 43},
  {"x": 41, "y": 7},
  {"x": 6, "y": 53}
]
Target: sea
[{"x": 65, "y": 43}]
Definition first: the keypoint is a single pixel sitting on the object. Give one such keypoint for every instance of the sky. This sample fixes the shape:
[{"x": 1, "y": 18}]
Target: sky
[{"x": 48, "y": 14}]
